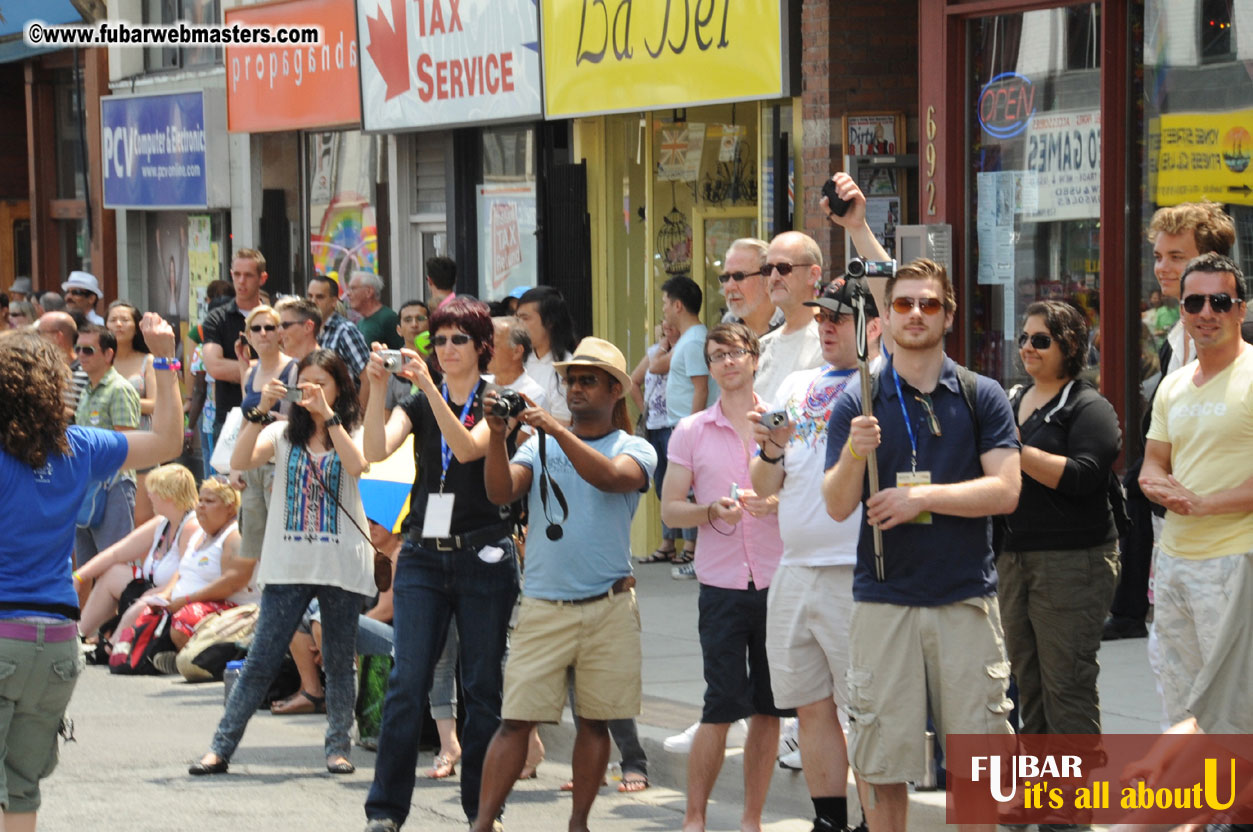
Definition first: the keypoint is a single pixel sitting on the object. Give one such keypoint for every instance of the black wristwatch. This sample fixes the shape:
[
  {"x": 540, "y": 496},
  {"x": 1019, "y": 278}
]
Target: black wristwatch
[
  {"x": 333, "y": 421},
  {"x": 258, "y": 416},
  {"x": 773, "y": 460}
]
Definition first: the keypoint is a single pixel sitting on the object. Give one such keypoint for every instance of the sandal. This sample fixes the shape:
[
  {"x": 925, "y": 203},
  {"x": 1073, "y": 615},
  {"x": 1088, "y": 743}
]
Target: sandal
[
  {"x": 301, "y": 702},
  {"x": 633, "y": 781},
  {"x": 684, "y": 557},
  {"x": 445, "y": 766},
  {"x": 660, "y": 555},
  {"x": 340, "y": 765}
]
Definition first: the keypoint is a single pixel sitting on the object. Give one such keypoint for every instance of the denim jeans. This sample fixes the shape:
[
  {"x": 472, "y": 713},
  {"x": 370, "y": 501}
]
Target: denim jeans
[
  {"x": 430, "y": 590},
  {"x": 659, "y": 438},
  {"x": 282, "y": 607},
  {"x": 444, "y": 682},
  {"x": 374, "y": 638}
]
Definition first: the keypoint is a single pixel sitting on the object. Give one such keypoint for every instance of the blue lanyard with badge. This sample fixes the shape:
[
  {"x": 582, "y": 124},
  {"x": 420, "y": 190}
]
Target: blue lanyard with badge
[
  {"x": 438, "y": 519},
  {"x": 913, "y": 476}
]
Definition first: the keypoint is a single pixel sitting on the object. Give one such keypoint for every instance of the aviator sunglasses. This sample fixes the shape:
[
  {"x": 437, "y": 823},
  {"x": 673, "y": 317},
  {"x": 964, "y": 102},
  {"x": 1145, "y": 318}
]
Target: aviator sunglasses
[
  {"x": 1220, "y": 303},
  {"x": 904, "y": 306},
  {"x": 1038, "y": 341}
]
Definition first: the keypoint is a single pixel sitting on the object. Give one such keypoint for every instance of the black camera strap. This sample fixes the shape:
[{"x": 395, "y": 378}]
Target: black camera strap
[{"x": 554, "y": 530}]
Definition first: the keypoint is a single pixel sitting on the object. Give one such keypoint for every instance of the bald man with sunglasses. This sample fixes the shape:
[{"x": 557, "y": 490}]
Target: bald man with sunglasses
[{"x": 1202, "y": 421}]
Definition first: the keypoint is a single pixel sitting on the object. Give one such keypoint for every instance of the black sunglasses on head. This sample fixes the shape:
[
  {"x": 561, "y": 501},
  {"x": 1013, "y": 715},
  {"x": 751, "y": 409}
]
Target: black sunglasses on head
[{"x": 1221, "y": 303}]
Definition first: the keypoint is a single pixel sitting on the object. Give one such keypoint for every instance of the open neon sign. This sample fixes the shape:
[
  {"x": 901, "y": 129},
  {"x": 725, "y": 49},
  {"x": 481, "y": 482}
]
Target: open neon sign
[{"x": 1006, "y": 105}]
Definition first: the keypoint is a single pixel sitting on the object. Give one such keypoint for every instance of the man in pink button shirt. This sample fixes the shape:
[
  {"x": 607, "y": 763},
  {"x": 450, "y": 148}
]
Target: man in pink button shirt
[{"x": 737, "y": 552}]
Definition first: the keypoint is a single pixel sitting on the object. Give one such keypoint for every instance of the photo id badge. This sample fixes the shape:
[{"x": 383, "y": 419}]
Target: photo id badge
[
  {"x": 907, "y": 478},
  {"x": 438, "y": 521}
]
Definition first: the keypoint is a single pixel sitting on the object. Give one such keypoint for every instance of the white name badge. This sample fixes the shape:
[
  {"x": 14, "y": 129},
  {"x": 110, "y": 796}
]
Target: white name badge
[
  {"x": 438, "y": 521},
  {"x": 907, "y": 478}
]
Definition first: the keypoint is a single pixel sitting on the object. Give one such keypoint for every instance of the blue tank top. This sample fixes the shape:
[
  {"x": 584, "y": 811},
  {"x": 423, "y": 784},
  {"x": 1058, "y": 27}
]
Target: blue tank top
[{"x": 252, "y": 397}]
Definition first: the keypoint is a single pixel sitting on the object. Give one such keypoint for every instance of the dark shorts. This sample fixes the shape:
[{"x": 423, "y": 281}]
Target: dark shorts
[{"x": 732, "y": 626}]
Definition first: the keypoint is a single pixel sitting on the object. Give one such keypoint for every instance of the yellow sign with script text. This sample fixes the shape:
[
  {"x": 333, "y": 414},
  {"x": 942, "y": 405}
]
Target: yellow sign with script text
[
  {"x": 612, "y": 56},
  {"x": 1195, "y": 156}
]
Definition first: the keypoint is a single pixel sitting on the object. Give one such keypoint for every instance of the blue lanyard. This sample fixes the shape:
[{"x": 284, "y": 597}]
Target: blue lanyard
[
  {"x": 913, "y": 443},
  {"x": 445, "y": 452}
]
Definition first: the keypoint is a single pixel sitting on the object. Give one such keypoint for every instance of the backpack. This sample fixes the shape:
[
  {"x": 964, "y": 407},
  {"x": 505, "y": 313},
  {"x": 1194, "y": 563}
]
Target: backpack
[
  {"x": 219, "y": 638},
  {"x": 150, "y": 636}
]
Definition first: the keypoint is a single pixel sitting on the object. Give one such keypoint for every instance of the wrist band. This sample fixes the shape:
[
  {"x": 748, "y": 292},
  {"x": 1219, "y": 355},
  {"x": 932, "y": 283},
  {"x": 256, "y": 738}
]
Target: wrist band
[
  {"x": 853, "y": 451},
  {"x": 77, "y": 576},
  {"x": 167, "y": 364},
  {"x": 773, "y": 460}
]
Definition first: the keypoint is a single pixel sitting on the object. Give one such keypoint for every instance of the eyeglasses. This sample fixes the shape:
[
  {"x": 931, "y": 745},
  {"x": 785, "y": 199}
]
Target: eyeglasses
[
  {"x": 79, "y": 350},
  {"x": 740, "y": 277},
  {"x": 1221, "y": 303},
  {"x": 734, "y": 355},
  {"x": 582, "y": 380},
  {"x": 262, "y": 328},
  {"x": 460, "y": 339},
  {"x": 784, "y": 269},
  {"x": 904, "y": 306},
  {"x": 1038, "y": 341},
  {"x": 834, "y": 318}
]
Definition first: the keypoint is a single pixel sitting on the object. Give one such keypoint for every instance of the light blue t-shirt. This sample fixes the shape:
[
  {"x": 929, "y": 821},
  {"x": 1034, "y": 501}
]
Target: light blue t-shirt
[
  {"x": 595, "y": 549},
  {"x": 42, "y": 505},
  {"x": 687, "y": 359}
]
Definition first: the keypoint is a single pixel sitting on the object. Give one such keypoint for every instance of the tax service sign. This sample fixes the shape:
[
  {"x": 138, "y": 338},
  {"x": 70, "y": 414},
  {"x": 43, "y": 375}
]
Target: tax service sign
[
  {"x": 446, "y": 63},
  {"x": 610, "y": 56}
]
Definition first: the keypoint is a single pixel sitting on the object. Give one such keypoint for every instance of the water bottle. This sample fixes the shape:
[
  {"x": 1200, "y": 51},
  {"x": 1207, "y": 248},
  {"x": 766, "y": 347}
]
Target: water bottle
[
  {"x": 928, "y": 782},
  {"x": 229, "y": 677}
]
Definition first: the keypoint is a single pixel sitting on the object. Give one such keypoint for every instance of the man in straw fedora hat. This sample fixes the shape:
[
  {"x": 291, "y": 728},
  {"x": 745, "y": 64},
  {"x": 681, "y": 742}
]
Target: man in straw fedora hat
[{"x": 578, "y": 607}]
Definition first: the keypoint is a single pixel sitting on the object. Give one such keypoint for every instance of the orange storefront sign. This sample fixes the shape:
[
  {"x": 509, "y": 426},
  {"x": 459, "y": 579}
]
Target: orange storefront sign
[{"x": 284, "y": 87}]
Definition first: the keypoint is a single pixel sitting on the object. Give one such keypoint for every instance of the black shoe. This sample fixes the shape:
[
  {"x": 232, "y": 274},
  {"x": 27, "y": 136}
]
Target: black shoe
[
  {"x": 1118, "y": 628},
  {"x": 827, "y": 825},
  {"x": 199, "y": 768}
]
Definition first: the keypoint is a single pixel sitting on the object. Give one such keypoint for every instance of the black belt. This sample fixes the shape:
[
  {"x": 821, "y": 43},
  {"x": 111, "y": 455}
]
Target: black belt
[
  {"x": 619, "y": 586},
  {"x": 469, "y": 540}
]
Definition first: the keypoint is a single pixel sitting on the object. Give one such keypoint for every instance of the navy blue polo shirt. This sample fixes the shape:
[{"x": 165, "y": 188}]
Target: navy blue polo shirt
[{"x": 950, "y": 559}]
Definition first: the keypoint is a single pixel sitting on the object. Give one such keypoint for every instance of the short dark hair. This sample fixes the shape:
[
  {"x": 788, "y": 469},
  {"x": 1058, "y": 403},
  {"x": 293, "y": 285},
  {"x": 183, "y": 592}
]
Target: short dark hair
[
  {"x": 328, "y": 280},
  {"x": 732, "y": 335},
  {"x": 683, "y": 289},
  {"x": 400, "y": 310},
  {"x": 107, "y": 341},
  {"x": 471, "y": 317},
  {"x": 554, "y": 314},
  {"x": 1069, "y": 329},
  {"x": 302, "y": 308},
  {"x": 1211, "y": 262},
  {"x": 442, "y": 272}
]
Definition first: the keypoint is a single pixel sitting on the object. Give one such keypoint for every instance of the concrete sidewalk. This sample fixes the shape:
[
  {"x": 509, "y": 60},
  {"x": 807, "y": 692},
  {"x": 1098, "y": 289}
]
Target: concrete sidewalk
[{"x": 674, "y": 688}]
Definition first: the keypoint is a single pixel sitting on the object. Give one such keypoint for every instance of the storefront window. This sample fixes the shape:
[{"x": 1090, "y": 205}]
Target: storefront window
[
  {"x": 508, "y": 257},
  {"x": 1035, "y": 138},
  {"x": 344, "y": 171}
]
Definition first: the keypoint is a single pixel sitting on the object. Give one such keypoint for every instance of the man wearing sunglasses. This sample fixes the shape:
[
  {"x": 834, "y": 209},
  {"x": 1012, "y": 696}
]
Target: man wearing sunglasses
[
  {"x": 925, "y": 618},
  {"x": 743, "y": 286},
  {"x": 82, "y": 290},
  {"x": 109, "y": 402},
  {"x": 792, "y": 270},
  {"x": 1201, "y": 424}
]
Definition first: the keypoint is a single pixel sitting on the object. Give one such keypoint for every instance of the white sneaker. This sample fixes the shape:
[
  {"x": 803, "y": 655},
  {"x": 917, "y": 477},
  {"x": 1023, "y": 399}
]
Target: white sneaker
[
  {"x": 791, "y": 761},
  {"x": 682, "y": 743},
  {"x": 683, "y": 572},
  {"x": 788, "y": 741}
]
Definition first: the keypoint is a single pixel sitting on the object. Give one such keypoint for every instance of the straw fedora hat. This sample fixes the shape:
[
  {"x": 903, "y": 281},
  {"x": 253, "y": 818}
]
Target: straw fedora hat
[{"x": 599, "y": 353}]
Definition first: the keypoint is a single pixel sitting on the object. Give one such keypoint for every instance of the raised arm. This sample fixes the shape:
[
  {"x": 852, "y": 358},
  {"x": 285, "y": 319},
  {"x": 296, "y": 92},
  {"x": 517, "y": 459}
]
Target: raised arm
[
  {"x": 620, "y": 475},
  {"x": 505, "y": 483},
  {"x": 165, "y": 441},
  {"x": 854, "y": 219},
  {"x": 383, "y": 434},
  {"x": 466, "y": 445}
]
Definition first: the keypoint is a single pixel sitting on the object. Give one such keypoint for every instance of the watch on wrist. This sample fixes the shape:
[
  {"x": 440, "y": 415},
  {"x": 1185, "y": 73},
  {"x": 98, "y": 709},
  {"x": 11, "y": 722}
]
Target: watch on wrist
[
  {"x": 258, "y": 416},
  {"x": 333, "y": 421}
]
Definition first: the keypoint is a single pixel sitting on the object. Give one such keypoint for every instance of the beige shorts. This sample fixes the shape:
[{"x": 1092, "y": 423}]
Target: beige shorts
[
  {"x": 599, "y": 640},
  {"x": 901, "y": 656},
  {"x": 807, "y": 621}
]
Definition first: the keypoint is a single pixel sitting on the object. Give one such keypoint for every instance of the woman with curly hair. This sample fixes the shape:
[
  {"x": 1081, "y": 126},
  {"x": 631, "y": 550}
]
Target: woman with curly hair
[
  {"x": 46, "y": 466},
  {"x": 1059, "y": 567},
  {"x": 316, "y": 546}
]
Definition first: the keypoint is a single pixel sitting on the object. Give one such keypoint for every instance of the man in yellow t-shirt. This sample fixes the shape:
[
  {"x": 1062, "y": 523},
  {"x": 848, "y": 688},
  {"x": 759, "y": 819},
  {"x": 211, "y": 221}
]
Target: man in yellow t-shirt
[{"x": 1198, "y": 443}]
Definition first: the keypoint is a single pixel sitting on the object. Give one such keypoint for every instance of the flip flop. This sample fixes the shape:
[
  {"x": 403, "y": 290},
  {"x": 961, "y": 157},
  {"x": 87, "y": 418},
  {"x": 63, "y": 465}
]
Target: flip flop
[
  {"x": 341, "y": 767},
  {"x": 659, "y": 555},
  {"x": 301, "y": 702},
  {"x": 633, "y": 781},
  {"x": 445, "y": 765}
]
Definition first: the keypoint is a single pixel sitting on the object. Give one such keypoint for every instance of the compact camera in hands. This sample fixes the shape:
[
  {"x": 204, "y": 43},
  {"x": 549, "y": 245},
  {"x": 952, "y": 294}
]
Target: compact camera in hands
[
  {"x": 293, "y": 394},
  {"x": 393, "y": 361},
  {"x": 508, "y": 404},
  {"x": 857, "y": 267},
  {"x": 777, "y": 419}
]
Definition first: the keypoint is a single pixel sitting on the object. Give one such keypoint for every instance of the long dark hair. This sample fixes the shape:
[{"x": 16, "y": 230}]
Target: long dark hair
[
  {"x": 555, "y": 316},
  {"x": 138, "y": 344},
  {"x": 32, "y": 413},
  {"x": 300, "y": 425},
  {"x": 471, "y": 317}
]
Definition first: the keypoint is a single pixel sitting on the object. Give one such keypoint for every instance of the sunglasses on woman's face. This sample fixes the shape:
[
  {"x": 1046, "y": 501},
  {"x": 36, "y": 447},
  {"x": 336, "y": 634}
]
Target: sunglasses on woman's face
[
  {"x": 263, "y": 327},
  {"x": 1037, "y": 340},
  {"x": 1221, "y": 303},
  {"x": 460, "y": 339}
]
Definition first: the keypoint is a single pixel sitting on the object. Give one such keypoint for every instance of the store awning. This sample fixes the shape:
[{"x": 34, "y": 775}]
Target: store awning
[{"x": 15, "y": 14}]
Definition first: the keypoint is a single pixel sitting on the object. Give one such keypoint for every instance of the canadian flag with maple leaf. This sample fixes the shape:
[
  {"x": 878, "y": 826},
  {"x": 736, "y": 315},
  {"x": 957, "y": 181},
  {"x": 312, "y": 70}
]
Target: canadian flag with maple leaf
[{"x": 389, "y": 48}]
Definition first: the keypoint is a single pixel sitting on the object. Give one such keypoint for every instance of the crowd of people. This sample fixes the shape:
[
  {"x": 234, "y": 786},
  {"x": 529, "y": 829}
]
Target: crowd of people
[{"x": 807, "y": 451}]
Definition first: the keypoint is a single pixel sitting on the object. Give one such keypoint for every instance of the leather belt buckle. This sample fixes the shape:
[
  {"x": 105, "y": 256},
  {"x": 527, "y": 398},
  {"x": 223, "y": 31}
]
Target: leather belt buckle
[{"x": 446, "y": 544}]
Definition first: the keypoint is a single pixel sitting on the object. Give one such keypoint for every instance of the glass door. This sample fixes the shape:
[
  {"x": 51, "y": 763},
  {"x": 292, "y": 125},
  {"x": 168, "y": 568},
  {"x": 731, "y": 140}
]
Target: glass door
[{"x": 714, "y": 229}]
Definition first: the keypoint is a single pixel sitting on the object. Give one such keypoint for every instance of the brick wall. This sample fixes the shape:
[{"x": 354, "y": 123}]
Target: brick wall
[{"x": 855, "y": 56}]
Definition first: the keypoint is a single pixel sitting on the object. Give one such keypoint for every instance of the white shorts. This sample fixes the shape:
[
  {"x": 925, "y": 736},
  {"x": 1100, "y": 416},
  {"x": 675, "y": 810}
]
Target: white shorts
[{"x": 807, "y": 618}]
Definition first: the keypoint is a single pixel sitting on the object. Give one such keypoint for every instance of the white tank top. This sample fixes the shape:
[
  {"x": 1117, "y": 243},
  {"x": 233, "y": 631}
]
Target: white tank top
[
  {"x": 160, "y": 568},
  {"x": 202, "y": 565}
]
